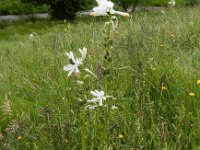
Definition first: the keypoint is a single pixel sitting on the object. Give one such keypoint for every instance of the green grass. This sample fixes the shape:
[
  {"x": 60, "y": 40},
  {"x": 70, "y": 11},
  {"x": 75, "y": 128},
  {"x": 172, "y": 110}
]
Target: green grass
[{"x": 159, "y": 50}]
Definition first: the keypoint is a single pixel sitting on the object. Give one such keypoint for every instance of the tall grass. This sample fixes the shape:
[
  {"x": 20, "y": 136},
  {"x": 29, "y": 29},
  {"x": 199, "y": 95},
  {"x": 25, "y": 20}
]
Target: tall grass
[{"x": 155, "y": 68}]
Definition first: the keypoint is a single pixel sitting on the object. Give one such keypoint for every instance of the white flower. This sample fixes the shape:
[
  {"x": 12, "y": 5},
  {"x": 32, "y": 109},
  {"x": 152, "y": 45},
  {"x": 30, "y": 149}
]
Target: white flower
[
  {"x": 83, "y": 52},
  {"x": 105, "y": 7},
  {"x": 99, "y": 97},
  {"x": 74, "y": 63}
]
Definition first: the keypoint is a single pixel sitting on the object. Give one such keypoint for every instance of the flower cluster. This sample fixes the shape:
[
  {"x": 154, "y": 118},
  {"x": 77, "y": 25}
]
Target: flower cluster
[{"x": 104, "y": 8}]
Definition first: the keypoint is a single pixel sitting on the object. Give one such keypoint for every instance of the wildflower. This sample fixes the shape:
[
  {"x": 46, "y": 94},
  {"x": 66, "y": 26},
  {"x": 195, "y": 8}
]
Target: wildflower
[
  {"x": 191, "y": 94},
  {"x": 164, "y": 88},
  {"x": 19, "y": 138},
  {"x": 83, "y": 53},
  {"x": 105, "y": 7},
  {"x": 172, "y": 3},
  {"x": 120, "y": 136},
  {"x": 99, "y": 97},
  {"x": 198, "y": 82},
  {"x": 74, "y": 63}
]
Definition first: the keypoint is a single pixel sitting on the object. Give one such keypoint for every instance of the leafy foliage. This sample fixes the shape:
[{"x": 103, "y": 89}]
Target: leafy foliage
[
  {"x": 191, "y": 2},
  {"x": 61, "y": 9}
]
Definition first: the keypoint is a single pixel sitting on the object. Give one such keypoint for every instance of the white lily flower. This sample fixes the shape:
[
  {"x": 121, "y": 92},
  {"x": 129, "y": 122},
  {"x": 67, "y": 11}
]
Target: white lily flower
[
  {"x": 74, "y": 63},
  {"x": 99, "y": 97},
  {"x": 83, "y": 52},
  {"x": 105, "y": 7}
]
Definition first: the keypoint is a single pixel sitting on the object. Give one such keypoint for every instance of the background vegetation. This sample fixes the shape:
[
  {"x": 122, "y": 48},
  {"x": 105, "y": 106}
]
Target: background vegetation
[
  {"x": 66, "y": 9},
  {"x": 8, "y": 7},
  {"x": 155, "y": 70}
]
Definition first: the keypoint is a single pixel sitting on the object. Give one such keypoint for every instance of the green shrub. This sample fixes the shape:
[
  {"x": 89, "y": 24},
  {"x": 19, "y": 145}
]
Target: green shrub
[
  {"x": 65, "y": 9},
  {"x": 61, "y": 9},
  {"x": 8, "y": 7}
]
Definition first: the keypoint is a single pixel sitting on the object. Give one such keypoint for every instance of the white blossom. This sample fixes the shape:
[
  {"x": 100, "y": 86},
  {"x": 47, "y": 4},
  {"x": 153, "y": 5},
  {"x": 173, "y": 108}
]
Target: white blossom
[
  {"x": 105, "y": 7},
  {"x": 83, "y": 52},
  {"x": 74, "y": 63},
  {"x": 98, "y": 97}
]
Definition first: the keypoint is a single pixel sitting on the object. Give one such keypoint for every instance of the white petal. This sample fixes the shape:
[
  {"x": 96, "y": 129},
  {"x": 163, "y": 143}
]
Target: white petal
[
  {"x": 68, "y": 55},
  {"x": 95, "y": 93},
  {"x": 72, "y": 56},
  {"x": 70, "y": 72},
  {"x": 100, "y": 102},
  {"x": 83, "y": 52},
  {"x": 98, "y": 14},
  {"x": 122, "y": 14},
  {"x": 94, "y": 100},
  {"x": 110, "y": 4},
  {"x": 68, "y": 67},
  {"x": 100, "y": 9}
]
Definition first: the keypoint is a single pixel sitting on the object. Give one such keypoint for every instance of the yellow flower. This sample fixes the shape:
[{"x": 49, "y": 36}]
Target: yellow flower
[
  {"x": 164, "y": 88},
  {"x": 19, "y": 138},
  {"x": 191, "y": 94},
  {"x": 120, "y": 136},
  {"x": 198, "y": 82}
]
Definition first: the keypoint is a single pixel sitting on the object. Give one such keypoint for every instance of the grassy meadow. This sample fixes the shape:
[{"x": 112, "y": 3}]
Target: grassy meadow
[{"x": 154, "y": 79}]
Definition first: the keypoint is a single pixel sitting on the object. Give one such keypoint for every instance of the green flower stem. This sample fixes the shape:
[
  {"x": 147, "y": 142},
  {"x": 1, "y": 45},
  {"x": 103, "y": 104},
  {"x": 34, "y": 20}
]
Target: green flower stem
[
  {"x": 84, "y": 126},
  {"x": 107, "y": 55}
]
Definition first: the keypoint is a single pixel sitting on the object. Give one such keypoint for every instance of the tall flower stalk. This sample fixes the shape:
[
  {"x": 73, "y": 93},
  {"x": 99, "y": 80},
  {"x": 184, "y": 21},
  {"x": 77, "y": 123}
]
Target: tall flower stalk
[{"x": 105, "y": 8}]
